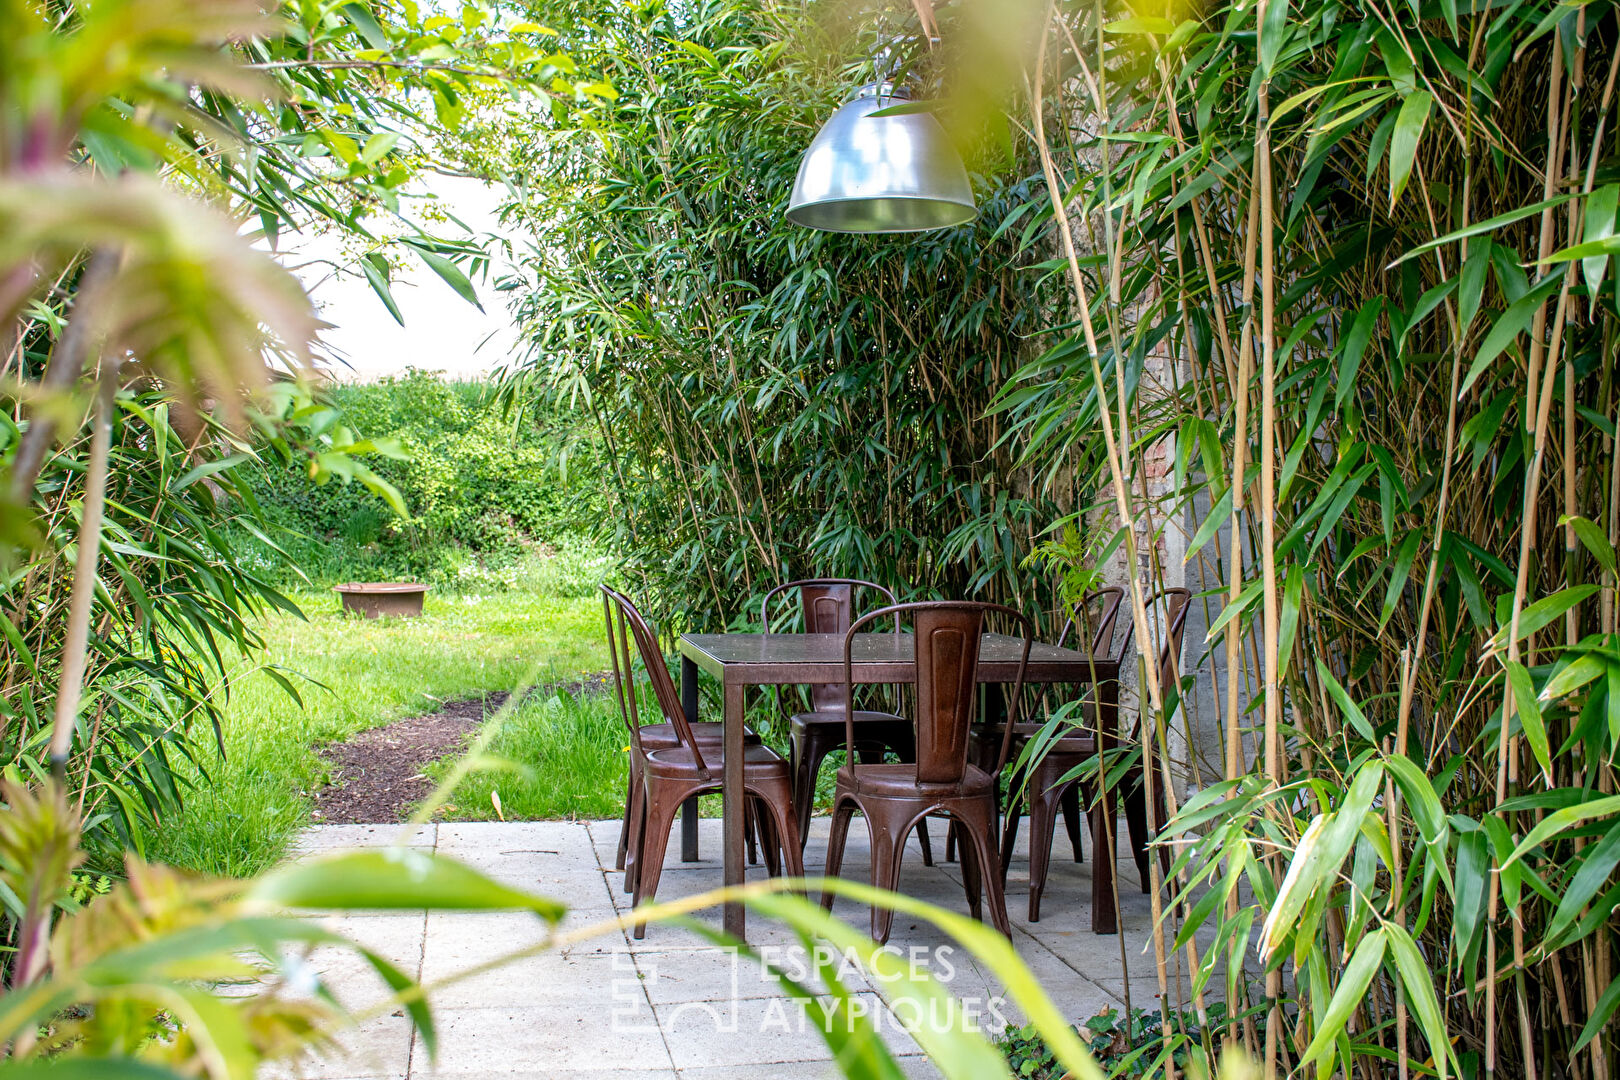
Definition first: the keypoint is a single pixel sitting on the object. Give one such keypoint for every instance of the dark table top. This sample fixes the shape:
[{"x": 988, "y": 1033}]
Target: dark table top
[{"x": 800, "y": 659}]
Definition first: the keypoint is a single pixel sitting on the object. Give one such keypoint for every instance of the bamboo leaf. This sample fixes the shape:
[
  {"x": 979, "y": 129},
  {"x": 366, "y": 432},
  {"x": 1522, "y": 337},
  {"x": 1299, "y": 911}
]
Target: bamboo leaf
[
  {"x": 1596, "y": 865},
  {"x": 1355, "y": 343},
  {"x": 1572, "y": 676},
  {"x": 1508, "y": 326},
  {"x": 452, "y": 275},
  {"x": 397, "y": 878},
  {"x": 1489, "y": 225},
  {"x": 1535, "y": 728},
  {"x": 375, "y": 267},
  {"x": 1599, "y": 215},
  {"x": 1351, "y": 711},
  {"x": 1420, "y": 993},
  {"x": 1471, "y": 284},
  {"x": 1353, "y": 982},
  {"x": 1544, "y": 611},
  {"x": 1403, "y": 143},
  {"x": 1601, "y": 1014},
  {"x": 1567, "y": 818},
  {"x": 1317, "y": 858},
  {"x": 1593, "y": 538},
  {"x": 1398, "y": 574}
]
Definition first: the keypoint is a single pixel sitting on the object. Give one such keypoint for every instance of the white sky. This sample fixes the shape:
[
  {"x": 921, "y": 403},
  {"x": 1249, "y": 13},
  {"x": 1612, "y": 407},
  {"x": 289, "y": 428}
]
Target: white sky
[{"x": 442, "y": 332}]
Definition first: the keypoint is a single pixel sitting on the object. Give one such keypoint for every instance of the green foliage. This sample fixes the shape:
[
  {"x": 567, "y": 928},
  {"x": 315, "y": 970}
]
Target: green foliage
[
  {"x": 772, "y": 402},
  {"x": 1323, "y": 330},
  {"x": 124, "y": 985},
  {"x": 153, "y": 350},
  {"x": 176, "y": 607},
  {"x": 487, "y": 498},
  {"x": 1125, "y": 1046}
]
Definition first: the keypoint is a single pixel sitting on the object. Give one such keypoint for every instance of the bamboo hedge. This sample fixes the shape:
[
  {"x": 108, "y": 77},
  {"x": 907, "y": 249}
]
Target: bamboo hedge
[
  {"x": 1372, "y": 244},
  {"x": 1346, "y": 267},
  {"x": 772, "y": 402}
]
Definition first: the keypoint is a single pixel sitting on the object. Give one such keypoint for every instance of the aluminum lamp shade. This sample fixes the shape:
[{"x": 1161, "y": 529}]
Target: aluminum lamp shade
[{"x": 881, "y": 174}]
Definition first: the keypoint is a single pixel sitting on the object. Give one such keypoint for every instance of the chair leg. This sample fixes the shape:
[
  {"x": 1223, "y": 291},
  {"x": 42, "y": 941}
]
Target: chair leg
[
  {"x": 624, "y": 830},
  {"x": 1136, "y": 822},
  {"x": 750, "y": 825},
  {"x": 1009, "y": 841},
  {"x": 636, "y": 813},
  {"x": 776, "y": 810},
  {"x": 1071, "y": 819},
  {"x": 927, "y": 845},
  {"x": 843, "y": 811},
  {"x": 977, "y": 833},
  {"x": 973, "y": 879},
  {"x": 1043, "y": 812},
  {"x": 627, "y": 835},
  {"x": 950, "y": 843},
  {"x": 765, "y": 822},
  {"x": 804, "y": 784},
  {"x": 888, "y": 848},
  {"x": 660, "y": 819},
  {"x": 808, "y": 750}
]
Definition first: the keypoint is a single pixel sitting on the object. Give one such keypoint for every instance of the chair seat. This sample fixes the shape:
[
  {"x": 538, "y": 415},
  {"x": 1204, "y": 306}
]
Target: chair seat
[
  {"x": 677, "y": 763},
  {"x": 900, "y": 782},
  {"x": 706, "y": 732},
  {"x": 805, "y": 721}
]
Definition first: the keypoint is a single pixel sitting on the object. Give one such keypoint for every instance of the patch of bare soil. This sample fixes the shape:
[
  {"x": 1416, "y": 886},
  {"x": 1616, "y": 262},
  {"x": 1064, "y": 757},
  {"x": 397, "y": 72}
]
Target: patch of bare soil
[{"x": 377, "y": 774}]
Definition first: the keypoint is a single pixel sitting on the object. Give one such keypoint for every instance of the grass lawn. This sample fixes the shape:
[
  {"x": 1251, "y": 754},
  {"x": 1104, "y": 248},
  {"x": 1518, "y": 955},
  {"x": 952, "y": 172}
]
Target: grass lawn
[
  {"x": 568, "y": 758},
  {"x": 240, "y": 818}
]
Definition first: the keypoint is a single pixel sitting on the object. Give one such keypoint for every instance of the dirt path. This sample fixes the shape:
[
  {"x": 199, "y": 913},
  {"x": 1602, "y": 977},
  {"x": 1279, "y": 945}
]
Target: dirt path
[{"x": 377, "y": 774}]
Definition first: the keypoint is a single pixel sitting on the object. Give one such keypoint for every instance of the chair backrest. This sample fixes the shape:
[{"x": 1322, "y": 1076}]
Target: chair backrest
[
  {"x": 629, "y": 624},
  {"x": 829, "y": 608},
  {"x": 1166, "y": 622},
  {"x": 1098, "y": 610},
  {"x": 947, "y": 634}
]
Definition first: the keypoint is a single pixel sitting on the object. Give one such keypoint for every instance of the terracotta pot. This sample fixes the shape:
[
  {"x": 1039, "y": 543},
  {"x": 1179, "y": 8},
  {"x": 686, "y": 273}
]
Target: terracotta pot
[{"x": 374, "y": 599}]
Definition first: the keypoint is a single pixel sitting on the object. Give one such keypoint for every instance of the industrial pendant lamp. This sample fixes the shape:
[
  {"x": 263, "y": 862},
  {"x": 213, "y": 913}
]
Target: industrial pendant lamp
[{"x": 881, "y": 174}]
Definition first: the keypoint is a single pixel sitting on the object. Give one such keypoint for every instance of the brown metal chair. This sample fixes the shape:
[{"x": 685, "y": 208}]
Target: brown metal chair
[
  {"x": 895, "y": 798},
  {"x": 829, "y": 607},
  {"x": 1047, "y": 779},
  {"x": 670, "y": 775},
  {"x": 644, "y": 737}
]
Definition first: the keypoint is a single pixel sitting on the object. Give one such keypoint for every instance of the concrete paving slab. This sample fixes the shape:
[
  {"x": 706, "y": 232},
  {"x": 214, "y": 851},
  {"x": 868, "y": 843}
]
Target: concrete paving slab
[
  {"x": 380, "y": 1047},
  {"x": 323, "y": 838},
  {"x": 397, "y": 938},
  {"x": 506, "y": 1041},
  {"x": 615, "y": 1007},
  {"x": 746, "y": 1032},
  {"x": 453, "y": 967},
  {"x": 568, "y": 840}
]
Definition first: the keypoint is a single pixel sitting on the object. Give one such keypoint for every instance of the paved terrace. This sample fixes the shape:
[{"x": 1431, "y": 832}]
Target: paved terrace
[{"x": 673, "y": 1006}]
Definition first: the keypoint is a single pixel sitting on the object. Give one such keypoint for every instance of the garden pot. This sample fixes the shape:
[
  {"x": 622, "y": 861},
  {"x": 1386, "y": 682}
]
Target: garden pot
[{"x": 374, "y": 599}]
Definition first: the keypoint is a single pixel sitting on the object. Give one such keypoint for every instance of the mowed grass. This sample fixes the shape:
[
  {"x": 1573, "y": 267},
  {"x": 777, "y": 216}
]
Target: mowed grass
[{"x": 240, "y": 818}]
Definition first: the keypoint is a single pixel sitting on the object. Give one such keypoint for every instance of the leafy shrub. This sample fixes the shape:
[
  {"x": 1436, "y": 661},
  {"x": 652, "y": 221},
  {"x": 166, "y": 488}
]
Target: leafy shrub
[
  {"x": 1128, "y": 1046},
  {"x": 778, "y": 402},
  {"x": 490, "y": 500}
]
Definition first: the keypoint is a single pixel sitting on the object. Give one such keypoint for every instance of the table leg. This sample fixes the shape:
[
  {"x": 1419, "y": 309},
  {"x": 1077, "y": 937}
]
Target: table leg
[
  {"x": 733, "y": 795},
  {"x": 689, "y": 809},
  {"x": 1105, "y": 823},
  {"x": 995, "y": 715}
]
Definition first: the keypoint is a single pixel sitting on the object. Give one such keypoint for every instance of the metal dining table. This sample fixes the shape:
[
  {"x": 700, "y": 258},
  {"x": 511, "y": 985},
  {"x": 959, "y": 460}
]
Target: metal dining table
[{"x": 739, "y": 661}]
